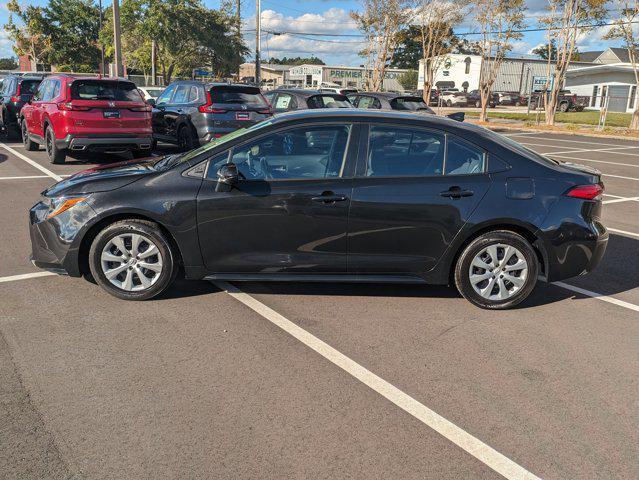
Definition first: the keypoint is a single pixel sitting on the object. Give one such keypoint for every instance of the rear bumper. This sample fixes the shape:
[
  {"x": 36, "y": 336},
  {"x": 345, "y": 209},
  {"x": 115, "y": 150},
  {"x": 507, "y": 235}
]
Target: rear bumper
[{"x": 105, "y": 143}]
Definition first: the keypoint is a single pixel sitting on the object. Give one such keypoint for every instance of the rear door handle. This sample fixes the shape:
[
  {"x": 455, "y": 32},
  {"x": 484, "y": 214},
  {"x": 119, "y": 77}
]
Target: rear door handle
[
  {"x": 456, "y": 192},
  {"x": 329, "y": 198}
]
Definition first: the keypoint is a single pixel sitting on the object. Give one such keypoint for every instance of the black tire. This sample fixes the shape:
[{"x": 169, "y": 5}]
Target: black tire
[
  {"x": 56, "y": 155},
  {"x": 449, "y": 103},
  {"x": 141, "y": 153},
  {"x": 564, "y": 107},
  {"x": 186, "y": 139},
  {"x": 149, "y": 230},
  {"x": 465, "y": 261},
  {"x": 478, "y": 103},
  {"x": 29, "y": 145}
]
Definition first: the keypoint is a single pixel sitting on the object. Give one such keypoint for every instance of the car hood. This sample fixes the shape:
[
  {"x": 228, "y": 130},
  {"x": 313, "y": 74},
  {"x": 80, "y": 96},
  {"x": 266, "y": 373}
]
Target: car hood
[{"x": 104, "y": 177}]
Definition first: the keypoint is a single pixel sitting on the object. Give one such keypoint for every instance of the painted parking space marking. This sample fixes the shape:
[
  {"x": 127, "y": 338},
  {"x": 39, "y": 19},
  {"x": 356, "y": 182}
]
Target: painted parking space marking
[
  {"x": 596, "y": 161},
  {"x": 31, "y": 162},
  {"x": 623, "y": 232},
  {"x": 598, "y": 296},
  {"x": 24, "y": 177},
  {"x": 549, "y": 137},
  {"x": 25, "y": 276},
  {"x": 583, "y": 150},
  {"x": 621, "y": 199},
  {"x": 472, "y": 445}
]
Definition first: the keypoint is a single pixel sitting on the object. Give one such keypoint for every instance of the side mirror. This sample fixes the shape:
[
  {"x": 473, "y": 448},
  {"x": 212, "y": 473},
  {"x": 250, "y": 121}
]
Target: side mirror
[
  {"x": 227, "y": 176},
  {"x": 151, "y": 102}
]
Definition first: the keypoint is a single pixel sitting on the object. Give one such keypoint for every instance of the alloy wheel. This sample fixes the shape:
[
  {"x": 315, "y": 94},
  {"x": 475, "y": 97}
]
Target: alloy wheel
[
  {"x": 131, "y": 261},
  {"x": 25, "y": 133},
  {"x": 498, "y": 272}
]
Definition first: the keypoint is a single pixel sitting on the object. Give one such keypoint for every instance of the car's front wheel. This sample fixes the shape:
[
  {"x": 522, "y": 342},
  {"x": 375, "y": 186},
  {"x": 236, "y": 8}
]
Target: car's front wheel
[
  {"x": 132, "y": 260},
  {"x": 497, "y": 270}
]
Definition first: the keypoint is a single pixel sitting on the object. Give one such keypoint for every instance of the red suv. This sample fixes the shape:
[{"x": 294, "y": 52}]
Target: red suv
[{"x": 75, "y": 114}]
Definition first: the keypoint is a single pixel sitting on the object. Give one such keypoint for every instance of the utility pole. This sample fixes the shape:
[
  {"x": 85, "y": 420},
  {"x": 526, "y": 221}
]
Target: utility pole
[
  {"x": 101, "y": 69},
  {"x": 117, "y": 44},
  {"x": 258, "y": 34},
  {"x": 153, "y": 64}
]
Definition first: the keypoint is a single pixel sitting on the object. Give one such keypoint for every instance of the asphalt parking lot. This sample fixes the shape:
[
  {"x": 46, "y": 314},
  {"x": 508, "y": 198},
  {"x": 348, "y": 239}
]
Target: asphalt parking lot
[{"x": 320, "y": 381}]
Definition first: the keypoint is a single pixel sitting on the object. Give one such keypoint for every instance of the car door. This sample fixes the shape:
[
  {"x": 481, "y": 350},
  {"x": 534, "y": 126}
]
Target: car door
[
  {"x": 35, "y": 122},
  {"x": 175, "y": 109},
  {"x": 159, "y": 125},
  {"x": 414, "y": 190},
  {"x": 288, "y": 212}
]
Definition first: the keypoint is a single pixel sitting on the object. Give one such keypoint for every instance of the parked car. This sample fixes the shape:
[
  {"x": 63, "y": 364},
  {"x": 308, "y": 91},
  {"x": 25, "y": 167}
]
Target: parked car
[
  {"x": 285, "y": 100},
  {"x": 474, "y": 99},
  {"x": 453, "y": 98},
  {"x": 16, "y": 92},
  {"x": 149, "y": 93},
  {"x": 385, "y": 196},
  {"x": 512, "y": 98},
  {"x": 78, "y": 114},
  {"x": 342, "y": 91},
  {"x": 566, "y": 101},
  {"x": 190, "y": 113},
  {"x": 397, "y": 101}
]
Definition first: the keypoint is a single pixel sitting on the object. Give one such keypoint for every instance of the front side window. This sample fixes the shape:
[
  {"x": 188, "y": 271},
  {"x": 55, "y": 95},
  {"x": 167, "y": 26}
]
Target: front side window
[
  {"x": 463, "y": 158},
  {"x": 165, "y": 96},
  {"x": 404, "y": 152},
  {"x": 181, "y": 94},
  {"x": 328, "y": 101},
  {"x": 302, "y": 153}
]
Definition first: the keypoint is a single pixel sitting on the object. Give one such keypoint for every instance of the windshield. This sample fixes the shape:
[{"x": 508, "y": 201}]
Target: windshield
[
  {"x": 105, "y": 90},
  {"x": 240, "y": 95},
  {"x": 409, "y": 103},
  {"x": 171, "y": 161}
]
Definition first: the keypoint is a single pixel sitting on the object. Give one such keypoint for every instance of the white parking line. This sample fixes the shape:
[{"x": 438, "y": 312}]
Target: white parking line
[
  {"x": 598, "y": 296},
  {"x": 596, "y": 161},
  {"x": 622, "y": 232},
  {"x": 621, "y": 199},
  {"x": 31, "y": 162},
  {"x": 475, "y": 447},
  {"x": 25, "y": 276},
  {"x": 24, "y": 177},
  {"x": 594, "y": 142},
  {"x": 583, "y": 150},
  {"x": 620, "y": 176}
]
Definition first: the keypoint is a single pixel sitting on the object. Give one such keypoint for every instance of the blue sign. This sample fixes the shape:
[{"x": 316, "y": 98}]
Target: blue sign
[{"x": 202, "y": 73}]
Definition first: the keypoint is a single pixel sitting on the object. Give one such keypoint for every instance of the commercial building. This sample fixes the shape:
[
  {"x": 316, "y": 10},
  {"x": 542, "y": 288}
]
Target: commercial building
[
  {"x": 273, "y": 75},
  {"x": 521, "y": 75},
  {"x": 612, "y": 86}
]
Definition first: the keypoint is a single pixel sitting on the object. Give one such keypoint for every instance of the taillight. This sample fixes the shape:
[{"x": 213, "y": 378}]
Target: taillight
[
  {"x": 586, "y": 192},
  {"x": 146, "y": 108},
  {"x": 265, "y": 111},
  {"x": 70, "y": 106},
  {"x": 208, "y": 106},
  {"x": 16, "y": 97}
]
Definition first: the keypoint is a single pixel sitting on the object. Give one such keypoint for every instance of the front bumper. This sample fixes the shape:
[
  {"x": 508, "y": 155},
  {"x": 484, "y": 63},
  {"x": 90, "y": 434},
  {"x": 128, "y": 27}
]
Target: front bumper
[
  {"x": 56, "y": 242},
  {"x": 105, "y": 143}
]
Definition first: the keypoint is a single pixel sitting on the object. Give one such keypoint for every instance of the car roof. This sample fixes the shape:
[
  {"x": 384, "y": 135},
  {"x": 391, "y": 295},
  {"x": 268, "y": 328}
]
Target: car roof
[
  {"x": 387, "y": 95},
  {"x": 304, "y": 93}
]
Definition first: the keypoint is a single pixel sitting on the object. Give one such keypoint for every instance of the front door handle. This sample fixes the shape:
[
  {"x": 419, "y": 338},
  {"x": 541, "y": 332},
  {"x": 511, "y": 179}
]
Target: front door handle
[
  {"x": 456, "y": 192},
  {"x": 329, "y": 197}
]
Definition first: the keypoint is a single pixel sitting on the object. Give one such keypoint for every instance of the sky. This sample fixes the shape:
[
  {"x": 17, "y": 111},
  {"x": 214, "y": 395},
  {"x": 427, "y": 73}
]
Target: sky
[{"x": 329, "y": 17}]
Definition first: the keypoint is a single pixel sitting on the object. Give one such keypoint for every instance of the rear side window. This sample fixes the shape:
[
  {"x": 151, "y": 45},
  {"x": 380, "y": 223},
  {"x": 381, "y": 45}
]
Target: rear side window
[
  {"x": 329, "y": 101},
  {"x": 105, "y": 90},
  {"x": 285, "y": 102},
  {"x": 181, "y": 94},
  {"x": 27, "y": 87},
  {"x": 238, "y": 95},
  {"x": 369, "y": 102},
  {"x": 463, "y": 158},
  {"x": 395, "y": 151},
  {"x": 408, "y": 103},
  {"x": 9, "y": 85}
]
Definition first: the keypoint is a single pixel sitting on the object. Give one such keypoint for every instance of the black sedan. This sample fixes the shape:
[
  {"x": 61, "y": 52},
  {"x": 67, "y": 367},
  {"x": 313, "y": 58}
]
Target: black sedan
[
  {"x": 286, "y": 100},
  {"x": 330, "y": 195},
  {"x": 16, "y": 91},
  {"x": 474, "y": 99}
]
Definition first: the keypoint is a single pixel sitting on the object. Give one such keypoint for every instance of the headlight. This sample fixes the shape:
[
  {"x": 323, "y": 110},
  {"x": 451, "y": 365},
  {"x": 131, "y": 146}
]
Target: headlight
[{"x": 58, "y": 205}]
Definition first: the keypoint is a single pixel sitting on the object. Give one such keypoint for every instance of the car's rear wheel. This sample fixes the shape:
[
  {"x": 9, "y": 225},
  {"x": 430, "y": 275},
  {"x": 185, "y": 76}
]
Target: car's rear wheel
[
  {"x": 56, "y": 155},
  {"x": 26, "y": 141},
  {"x": 186, "y": 139},
  {"x": 497, "y": 270},
  {"x": 478, "y": 103},
  {"x": 564, "y": 107},
  {"x": 132, "y": 260}
]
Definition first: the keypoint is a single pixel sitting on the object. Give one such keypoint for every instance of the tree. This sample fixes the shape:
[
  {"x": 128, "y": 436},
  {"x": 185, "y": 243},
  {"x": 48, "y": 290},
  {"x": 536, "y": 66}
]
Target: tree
[
  {"x": 28, "y": 33},
  {"x": 498, "y": 22},
  {"x": 297, "y": 61},
  {"x": 624, "y": 29},
  {"x": 546, "y": 52},
  {"x": 8, "y": 63},
  {"x": 409, "y": 79},
  {"x": 381, "y": 22},
  {"x": 187, "y": 34},
  {"x": 435, "y": 21},
  {"x": 565, "y": 21}
]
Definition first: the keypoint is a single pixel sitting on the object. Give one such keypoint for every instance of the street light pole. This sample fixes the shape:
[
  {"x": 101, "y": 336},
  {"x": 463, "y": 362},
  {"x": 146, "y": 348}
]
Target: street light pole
[
  {"x": 153, "y": 64},
  {"x": 101, "y": 69},
  {"x": 258, "y": 34},
  {"x": 117, "y": 44}
]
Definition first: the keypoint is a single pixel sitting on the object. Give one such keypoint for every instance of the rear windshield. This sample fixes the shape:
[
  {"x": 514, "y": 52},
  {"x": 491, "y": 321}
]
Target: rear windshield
[
  {"x": 105, "y": 90},
  {"x": 409, "y": 103},
  {"x": 28, "y": 87},
  {"x": 348, "y": 91},
  {"x": 238, "y": 95}
]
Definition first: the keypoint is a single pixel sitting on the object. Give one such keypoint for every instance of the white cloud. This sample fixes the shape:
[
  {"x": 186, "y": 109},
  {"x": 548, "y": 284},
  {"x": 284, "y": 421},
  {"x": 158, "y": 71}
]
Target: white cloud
[{"x": 6, "y": 45}]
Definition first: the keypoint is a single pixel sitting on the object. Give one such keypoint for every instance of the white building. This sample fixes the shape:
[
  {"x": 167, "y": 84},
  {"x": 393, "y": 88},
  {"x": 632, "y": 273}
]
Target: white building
[
  {"x": 312, "y": 76},
  {"x": 612, "y": 85},
  {"x": 521, "y": 75}
]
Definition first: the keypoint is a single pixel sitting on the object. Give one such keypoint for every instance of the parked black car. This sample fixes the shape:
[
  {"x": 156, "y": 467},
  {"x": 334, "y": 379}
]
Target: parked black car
[
  {"x": 286, "y": 100},
  {"x": 190, "y": 113},
  {"x": 16, "y": 91},
  {"x": 474, "y": 99},
  {"x": 566, "y": 101},
  {"x": 330, "y": 195}
]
